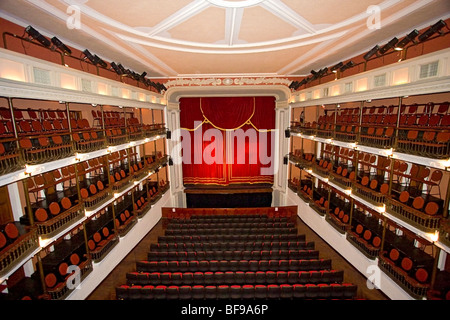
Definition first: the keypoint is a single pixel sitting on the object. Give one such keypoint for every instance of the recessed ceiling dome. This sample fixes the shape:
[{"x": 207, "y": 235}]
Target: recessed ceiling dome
[{"x": 235, "y": 3}]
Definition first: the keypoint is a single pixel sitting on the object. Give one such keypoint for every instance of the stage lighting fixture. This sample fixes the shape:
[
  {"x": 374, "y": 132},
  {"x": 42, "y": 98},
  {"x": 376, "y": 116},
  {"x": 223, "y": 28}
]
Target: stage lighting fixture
[
  {"x": 90, "y": 57},
  {"x": 116, "y": 68},
  {"x": 348, "y": 65},
  {"x": 142, "y": 76},
  {"x": 100, "y": 61},
  {"x": 391, "y": 44},
  {"x": 34, "y": 34},
  {"x": 122, "y": 69},
  {"x": 336, "y": 67},
  {"x": 61, "y": 46},
  {"x": 160, "y": 87},
  {"x": 292, "y": 85},
  {"x": 135, "y": 76},
  {"x": 432, "y": 30},
  {"x": 372, "y": 52},
  {"x": 323, "y": 71},
  {"x": 407, "y": 39}
]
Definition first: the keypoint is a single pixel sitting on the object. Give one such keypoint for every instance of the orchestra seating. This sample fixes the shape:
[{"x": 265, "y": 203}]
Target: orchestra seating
[{"x": 233, "y": 256}]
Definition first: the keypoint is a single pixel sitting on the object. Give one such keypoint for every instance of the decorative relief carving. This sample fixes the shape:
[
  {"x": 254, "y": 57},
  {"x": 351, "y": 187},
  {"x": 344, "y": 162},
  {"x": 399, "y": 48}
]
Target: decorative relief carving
[{"x": 227, "y": 81}]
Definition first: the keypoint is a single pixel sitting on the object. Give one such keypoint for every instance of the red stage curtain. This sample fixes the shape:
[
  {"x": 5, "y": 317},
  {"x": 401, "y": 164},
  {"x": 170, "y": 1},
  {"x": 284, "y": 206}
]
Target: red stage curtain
[{"x": 252, "y": 118}]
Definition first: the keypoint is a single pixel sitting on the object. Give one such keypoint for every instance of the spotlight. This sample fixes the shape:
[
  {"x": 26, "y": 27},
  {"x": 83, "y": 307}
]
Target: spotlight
[
  {"x": 323, "y": 71},
  {"x": 293, "y": 85},
  {"x": 407, "y": 39},
  {"x": 135, "y": 76},
  {"x": 128, "y": 72},
  {"x": 116, "y": 68},
  {"x": 432, "y": 30},
  {"x": 34, "y": 34},
  {"x": 122, "y": 69},
  {"x": 100, "y": 61},
  {"x": 304, "y": 81},
  {"x": 348, "y": 65},
  {"x": 336, "y": 67},
  {"x": 90, "y": 57},
  {"x": 391, "y": 44},
  {"x": 142, "y": 76},
  {"x": 61, "y": 46},
  {"x": 372, "y": 51},
  {"x": 161, "y": 87}
]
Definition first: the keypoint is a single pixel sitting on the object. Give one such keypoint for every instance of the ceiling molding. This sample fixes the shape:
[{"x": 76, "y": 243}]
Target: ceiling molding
[{"x": 174, "y": 94}]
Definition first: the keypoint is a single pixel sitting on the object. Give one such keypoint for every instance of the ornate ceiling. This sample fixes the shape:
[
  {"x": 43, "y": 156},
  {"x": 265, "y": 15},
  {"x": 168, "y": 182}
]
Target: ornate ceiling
[{"x": 176, "y": 38}]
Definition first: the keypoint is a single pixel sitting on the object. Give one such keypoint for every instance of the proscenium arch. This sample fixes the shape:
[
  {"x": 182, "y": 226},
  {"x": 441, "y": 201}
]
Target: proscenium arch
[{"x": 281, "y": 93}]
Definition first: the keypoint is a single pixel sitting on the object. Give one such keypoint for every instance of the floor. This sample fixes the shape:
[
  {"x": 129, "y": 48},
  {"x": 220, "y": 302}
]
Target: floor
[{"x": 106, "y": 290}]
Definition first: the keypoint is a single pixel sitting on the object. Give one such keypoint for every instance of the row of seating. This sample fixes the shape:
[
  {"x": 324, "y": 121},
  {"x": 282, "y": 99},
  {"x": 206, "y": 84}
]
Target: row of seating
[
  {"x": 222, "y": 256},
  {"x": 236, "y": 231},
  {"x": 272, "y": 291},
  {"x": 248, "y": 245},
  {"x": 216, "y": 225},
  {"x": 231, "y": 238},
  {"x": 226, "y": 217},
  {"x": 231, "y": 219},
  {"x": 232, "y": 255},
  {"x": 234, "y": 277},
  {"x": 233, "y": 265}
]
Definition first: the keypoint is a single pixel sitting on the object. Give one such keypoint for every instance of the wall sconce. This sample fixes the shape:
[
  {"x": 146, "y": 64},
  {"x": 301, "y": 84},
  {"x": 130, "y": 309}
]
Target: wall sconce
[
  {"x": 434, "y": 236},
  {"x": 28, "y": 170}
]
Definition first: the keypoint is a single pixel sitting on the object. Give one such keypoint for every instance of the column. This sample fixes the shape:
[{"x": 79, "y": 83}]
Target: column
[
  {"x": 282, "y": 122},
  {"x": 174, "y": 150}
]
